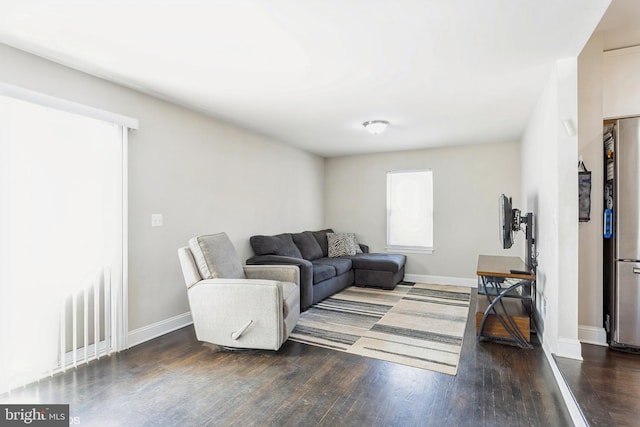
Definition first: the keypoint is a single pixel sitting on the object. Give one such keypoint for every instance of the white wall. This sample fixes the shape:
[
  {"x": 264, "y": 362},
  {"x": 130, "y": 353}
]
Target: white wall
[
  {"x": 468, "y": 181},
  {"x": 590, "y": 114},
  {"x": 609, "y": 87},
  {"x": 549, "y": 188},
  {"x": 203, "y": 175},
  {"x": 621, "y": 85}
]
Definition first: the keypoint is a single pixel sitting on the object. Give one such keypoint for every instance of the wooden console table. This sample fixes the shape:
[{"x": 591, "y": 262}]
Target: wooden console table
[{"x": 506, "y": 294}]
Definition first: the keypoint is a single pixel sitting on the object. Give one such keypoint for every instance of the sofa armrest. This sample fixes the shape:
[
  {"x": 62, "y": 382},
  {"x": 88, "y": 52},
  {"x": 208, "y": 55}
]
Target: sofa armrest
[
  {"x": 281, "y": 273},
  {"x": 306, "y": 273}
]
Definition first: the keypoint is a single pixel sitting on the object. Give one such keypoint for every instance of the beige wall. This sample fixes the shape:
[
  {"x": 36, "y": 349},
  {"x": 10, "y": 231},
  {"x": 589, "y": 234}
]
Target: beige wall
[
  {"x": 203, "y": 175},
  {"x": 468, "y": 181}
]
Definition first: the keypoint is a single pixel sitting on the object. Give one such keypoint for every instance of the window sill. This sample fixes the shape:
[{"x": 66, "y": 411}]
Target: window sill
[{"x": 409, "y": 249}]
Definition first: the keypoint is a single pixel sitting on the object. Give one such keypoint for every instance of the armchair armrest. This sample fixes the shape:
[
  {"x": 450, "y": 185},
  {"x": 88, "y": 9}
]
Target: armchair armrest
[{"x": 282, "y": 273}]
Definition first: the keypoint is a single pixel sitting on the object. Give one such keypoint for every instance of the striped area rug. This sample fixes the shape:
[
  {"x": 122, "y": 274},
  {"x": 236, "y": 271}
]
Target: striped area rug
[{"x": 420, "y": 325}]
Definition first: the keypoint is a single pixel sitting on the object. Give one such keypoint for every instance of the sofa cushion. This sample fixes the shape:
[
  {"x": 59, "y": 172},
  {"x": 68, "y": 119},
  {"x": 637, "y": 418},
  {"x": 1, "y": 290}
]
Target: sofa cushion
[
  {"x": 281, "y": 244},
  {"x": 307, "y": 244},
  {"x": 342, "y": 244},
  {"x": 384, "y": 262},
  {"x": 342, "y": 265},
  {"x": 322, "y": 272},
  {"x": 321, "y": 238},
  {"x": 216, "y": 257}
]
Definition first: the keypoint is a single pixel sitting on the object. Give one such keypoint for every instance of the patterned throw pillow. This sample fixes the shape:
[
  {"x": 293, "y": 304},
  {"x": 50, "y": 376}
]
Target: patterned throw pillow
[
  {"x": 342, "y": 244},
  {"x": 356, "y": 244}
]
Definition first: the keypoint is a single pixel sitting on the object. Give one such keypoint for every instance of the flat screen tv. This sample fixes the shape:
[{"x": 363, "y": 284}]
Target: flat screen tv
[
  {"x": 506, "y": 223},
  {"x": 511, "y": 220}
]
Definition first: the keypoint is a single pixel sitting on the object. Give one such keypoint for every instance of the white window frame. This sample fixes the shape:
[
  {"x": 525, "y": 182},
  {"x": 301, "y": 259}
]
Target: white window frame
[
  {"x": 427, "y": 203},
  {"x": 45, "y": 100}
]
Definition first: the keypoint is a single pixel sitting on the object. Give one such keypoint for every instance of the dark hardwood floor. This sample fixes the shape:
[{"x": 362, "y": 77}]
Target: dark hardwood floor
[
  {"x": 606, "y": 385},
  {"x": 176, "y": 381}
]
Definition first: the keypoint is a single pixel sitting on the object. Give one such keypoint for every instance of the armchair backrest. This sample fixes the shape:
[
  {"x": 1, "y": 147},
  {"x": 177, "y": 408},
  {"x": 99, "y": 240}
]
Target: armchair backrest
[{"x": 215, "y": 257}]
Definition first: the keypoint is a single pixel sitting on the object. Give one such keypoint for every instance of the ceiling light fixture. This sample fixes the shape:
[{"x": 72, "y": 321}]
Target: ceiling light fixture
[{"x": 375, "y": 127}]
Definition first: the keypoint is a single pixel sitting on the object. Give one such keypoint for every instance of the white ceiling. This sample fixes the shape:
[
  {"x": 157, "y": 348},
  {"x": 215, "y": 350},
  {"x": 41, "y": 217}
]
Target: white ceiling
[{"x": 308, "y": 73}]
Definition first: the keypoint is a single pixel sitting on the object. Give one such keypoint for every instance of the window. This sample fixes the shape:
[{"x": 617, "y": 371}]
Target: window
[{"x": 410, "y": 210}]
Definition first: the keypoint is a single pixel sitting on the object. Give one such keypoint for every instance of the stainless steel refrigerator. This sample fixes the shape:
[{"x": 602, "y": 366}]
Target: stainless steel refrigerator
[{"x": 622, "y": 233}]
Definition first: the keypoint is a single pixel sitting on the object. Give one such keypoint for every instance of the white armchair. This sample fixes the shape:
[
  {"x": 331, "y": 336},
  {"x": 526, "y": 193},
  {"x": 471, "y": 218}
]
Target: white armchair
[{"x": 234, "y": 305}]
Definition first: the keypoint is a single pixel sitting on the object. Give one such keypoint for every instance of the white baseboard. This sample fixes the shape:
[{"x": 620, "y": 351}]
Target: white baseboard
[
  {"x": 92, "y": 354},
  {"x": 569, "y": 348},
  {"x": 442, "y": 280},
  {"x": 592, "y": 335},
  {"x": 149, "y": 332},
  {"x": 574, "y": 410}
]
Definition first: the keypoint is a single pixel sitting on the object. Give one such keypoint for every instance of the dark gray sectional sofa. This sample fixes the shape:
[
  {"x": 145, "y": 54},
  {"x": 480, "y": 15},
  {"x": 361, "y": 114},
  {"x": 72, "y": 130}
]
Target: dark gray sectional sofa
[{"x": 320, "y": 275}]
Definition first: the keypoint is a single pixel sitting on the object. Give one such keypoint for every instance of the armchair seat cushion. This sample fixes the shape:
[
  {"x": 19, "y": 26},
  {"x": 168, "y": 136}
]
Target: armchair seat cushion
[{"x": 342, "y": 265}]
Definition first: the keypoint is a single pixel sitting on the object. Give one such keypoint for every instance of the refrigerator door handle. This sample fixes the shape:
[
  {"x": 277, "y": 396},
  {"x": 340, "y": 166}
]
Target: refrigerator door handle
[{"x": 636, "y": 270}]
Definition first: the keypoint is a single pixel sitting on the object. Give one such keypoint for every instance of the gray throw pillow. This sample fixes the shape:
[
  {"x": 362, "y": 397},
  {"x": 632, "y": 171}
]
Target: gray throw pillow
[
  {"x": 281, "y": 244},
  {"x": 308, "y": 245},
  {"x": 321, "y": 238}
]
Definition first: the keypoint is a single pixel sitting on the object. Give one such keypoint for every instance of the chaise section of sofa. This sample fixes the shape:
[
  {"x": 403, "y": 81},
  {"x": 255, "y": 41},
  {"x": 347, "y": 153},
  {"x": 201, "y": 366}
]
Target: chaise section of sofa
[
  {"x": 321, "y": 275},
  {"x": 378, "y": 270}
]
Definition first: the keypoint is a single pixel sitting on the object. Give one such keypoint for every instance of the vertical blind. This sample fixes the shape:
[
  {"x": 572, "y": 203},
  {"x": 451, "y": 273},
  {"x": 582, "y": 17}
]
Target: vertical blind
[{"x": 62, "y": 216}]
